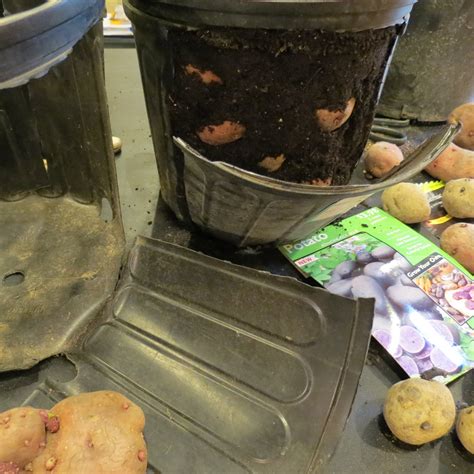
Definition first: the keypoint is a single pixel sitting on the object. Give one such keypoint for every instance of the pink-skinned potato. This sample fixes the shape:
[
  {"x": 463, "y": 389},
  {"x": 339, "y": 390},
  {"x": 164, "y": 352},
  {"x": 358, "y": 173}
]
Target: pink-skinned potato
[
  {"x": 100, "y": 433},
  {"x": 453, "y": 163},
  {"x": 206, "y": 77},
  {"x": 22, "y": 437},
  {"x": 221, "y": 134},
  {"x": 381, "y": 158},
  {"x": 465, "y": 115}
]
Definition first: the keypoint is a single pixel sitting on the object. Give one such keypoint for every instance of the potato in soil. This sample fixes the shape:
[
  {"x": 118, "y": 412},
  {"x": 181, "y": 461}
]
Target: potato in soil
[
  {"x": 418, "y": 411},
  {"x": 330, "y": 120},
  {"x": 458, "y": 241},
  {"x": 458, "y": 198},
  {"x": 221, "y": 134},
  {"x": 407, "y": 202},
  {"x": 465, "y": 428}
]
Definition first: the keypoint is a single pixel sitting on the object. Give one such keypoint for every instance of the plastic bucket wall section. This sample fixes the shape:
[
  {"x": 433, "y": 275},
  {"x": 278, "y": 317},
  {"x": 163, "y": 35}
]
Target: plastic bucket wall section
[
  {"x": 432, "y": 70},
  {"x": 55, "y": 134},
  {"x": 230, "y": 205}
]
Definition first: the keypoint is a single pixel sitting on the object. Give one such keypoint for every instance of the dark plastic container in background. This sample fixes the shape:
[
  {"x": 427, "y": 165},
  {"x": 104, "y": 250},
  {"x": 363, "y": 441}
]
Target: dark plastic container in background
[
  {"x": 432, "y": 71},
  {"x": 228, "y": 202},
  {"x": 61, "y": 233}
]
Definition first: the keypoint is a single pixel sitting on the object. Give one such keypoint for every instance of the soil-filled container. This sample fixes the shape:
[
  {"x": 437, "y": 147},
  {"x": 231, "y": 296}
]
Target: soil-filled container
[{"x": 285, "y": 91}]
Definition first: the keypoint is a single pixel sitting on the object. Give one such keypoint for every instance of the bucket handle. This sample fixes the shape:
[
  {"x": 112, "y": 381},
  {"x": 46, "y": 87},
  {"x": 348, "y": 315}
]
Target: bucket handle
[{"x": 33, "y": 41}]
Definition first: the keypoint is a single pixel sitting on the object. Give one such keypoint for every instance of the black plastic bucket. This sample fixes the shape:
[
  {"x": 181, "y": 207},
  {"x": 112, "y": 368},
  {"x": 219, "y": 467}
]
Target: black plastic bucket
[
  {"x": 432, "y": 71},
  {"x": 232, "y": 203}
]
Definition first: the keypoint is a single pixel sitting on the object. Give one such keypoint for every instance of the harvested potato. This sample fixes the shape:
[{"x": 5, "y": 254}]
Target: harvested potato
[
  {"x": 100, "y": 433},
  {"x": 381, "y": 158},
  {"x": 418, "y": 411},
  {"x": 330, "y": 120},
  {"x": 453, "y": 163},
  {"x": 222, "y": 134},
  {"x": 465, "y": 115},
  {"x": 207, "y": 77},
  {"x": 407, "y": 202},
  {"x": 458, "y": 198},
  {"x": 465, "y": 428},
  {"x": 272, "y": 164},
  {"x": 458, "y": 241},
  {"x": 22, "y": 436}
]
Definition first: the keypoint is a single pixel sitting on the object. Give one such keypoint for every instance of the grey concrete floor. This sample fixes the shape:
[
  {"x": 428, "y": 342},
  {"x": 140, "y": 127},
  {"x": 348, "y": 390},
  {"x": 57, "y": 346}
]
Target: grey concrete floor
[{"x": 136, "y": 167}]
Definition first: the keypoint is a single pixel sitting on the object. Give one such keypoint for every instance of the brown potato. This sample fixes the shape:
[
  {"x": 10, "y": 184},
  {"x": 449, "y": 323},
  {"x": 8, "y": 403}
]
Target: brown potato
[
  {"x": 272, "y": 164},
  {"x": 381, "y": 158},
  {"x": 207, "y": 77},
  {"x": 407, "y": 202},
  {"x": 222, "y": 134},
  {"x": 453, "y": 163},
  {"x": 465, "y": 428},
  {"x": 22, "y": 435},
  {"x": 458, "y": 198},
  {"x": 418, "y": 411},
  {"x": 465, "y": 115},
  {"x": 330, "y": 120},
  {"x": 100, "y": 433},
  {"x": 458, "y": 241}
]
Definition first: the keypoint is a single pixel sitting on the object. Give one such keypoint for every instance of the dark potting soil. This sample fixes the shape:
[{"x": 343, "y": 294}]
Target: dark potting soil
[{"x": 271, "y": 82}]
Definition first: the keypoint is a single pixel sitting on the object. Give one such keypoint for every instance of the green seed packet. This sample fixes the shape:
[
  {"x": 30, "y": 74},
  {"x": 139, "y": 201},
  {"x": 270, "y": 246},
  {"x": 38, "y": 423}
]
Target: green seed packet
[{"x": 424, "y": 300}]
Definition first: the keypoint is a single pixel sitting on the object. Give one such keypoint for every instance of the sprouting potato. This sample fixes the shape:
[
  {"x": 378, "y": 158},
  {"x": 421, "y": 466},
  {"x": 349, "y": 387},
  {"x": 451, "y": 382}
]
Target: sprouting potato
[
  {"x": 22, "y": 435},
  {"x": 100, "y": 433}
]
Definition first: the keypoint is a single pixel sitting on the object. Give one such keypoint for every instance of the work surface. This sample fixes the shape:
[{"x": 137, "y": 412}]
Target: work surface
[{"x": 365, "y": 445}]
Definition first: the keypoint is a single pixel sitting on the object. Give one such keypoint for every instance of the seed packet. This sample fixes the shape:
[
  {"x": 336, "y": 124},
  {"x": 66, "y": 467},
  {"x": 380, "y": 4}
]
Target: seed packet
[{"x": 424, "y": 300}]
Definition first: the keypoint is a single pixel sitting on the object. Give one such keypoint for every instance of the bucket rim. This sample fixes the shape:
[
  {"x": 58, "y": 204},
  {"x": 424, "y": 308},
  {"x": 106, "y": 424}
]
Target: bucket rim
[{"x": 331, "y": 15}]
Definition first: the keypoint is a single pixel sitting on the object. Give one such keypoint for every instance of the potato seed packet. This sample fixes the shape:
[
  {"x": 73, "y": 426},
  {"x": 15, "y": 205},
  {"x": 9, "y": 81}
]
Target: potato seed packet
[{"x": 424, "y": 300}]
